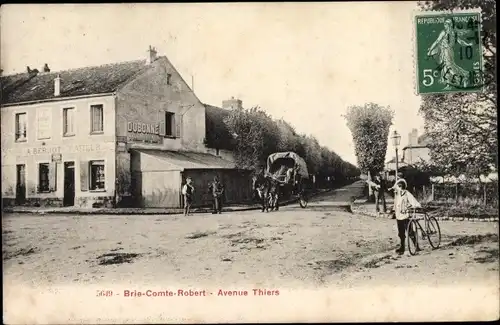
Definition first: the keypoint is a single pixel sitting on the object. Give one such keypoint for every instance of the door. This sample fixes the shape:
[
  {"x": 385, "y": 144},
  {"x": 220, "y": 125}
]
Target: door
[
  {"x": 69, "y": 184},
  {"x": 20, "y": 184}
]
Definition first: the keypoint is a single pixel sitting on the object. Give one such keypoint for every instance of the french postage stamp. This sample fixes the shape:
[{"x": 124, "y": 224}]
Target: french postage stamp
[{"x": 449, "y": 53}]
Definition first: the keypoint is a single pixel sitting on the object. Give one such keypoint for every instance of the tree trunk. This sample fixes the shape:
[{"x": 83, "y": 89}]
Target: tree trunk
[{"x": 484, "y": 193}]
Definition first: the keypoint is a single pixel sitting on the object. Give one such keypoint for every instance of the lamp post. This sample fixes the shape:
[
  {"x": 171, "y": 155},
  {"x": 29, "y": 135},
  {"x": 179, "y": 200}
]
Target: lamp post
[{"x": 396, "y": 139}]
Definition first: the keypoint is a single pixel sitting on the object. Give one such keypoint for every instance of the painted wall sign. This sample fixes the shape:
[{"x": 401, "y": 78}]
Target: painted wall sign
[
  {"x": 78, "y": 148},
  {"x": 147, "y": 128},
  {"x": 44, "y": 123},
  {"x": 145, "y": 132},
  {"x": 56, "y": 157}
]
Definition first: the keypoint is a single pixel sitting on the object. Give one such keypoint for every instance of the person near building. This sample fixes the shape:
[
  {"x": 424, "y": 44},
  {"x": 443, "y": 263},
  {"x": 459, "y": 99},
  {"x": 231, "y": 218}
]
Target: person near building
[
  {"x": 379, "y": 192},
  {"x": 187, "y": 192},
  {"x": 217, "y": 190},
  {"x": 403, "y": 201}
]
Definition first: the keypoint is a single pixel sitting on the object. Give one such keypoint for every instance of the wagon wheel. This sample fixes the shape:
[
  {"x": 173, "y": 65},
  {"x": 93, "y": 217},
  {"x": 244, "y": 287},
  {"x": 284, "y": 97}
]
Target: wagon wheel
[{"x": 303, "y": 200}]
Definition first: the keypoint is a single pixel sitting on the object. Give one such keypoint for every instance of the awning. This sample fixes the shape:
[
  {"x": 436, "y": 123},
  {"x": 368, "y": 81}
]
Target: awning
[{"x": 181, "y": 160}]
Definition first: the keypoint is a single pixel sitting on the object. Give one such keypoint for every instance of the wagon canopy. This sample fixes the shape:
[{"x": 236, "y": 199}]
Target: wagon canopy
[{"x": 278, "y": 162}]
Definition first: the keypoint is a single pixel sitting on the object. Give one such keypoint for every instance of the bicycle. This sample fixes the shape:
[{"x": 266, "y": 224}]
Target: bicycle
[{"x": 415, "y": 230}]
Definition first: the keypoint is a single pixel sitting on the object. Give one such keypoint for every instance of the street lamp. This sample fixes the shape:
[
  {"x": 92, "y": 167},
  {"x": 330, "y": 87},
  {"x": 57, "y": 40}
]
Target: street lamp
[{"x": 396, "y": 139}]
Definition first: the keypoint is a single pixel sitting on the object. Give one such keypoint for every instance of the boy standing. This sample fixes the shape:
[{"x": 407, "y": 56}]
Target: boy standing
[
  {"x": 403, "y": 200},
  {"x": 187, "y": 192}
]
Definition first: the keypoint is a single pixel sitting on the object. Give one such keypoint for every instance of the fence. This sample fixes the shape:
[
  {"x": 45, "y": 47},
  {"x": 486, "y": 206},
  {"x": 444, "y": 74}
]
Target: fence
[{"x": 461, "y": 193}]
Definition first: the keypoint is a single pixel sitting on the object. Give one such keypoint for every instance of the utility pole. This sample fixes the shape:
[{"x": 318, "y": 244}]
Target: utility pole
[{"x": 192, "y": 82}]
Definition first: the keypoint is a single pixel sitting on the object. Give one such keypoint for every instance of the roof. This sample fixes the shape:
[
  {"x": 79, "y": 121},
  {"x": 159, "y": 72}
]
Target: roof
[
  {"x": 26, "y": 87},
  {"x": 288, "y": 155},
  {"x": 189, "y": 160},
  {"x": 217, "y": 133},
  {"x": 423, "y": 140}
]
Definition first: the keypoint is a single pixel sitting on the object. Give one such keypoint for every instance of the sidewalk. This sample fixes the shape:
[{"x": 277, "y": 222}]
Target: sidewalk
[
  {"x": 362, "y": 207},
  {"x": 132, "y": 211}
]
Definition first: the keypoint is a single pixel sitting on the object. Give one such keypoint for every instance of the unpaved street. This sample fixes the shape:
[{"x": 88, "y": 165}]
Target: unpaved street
[
  {"x": 292, "y": 248},
  {"x": 327, "y": 264}
]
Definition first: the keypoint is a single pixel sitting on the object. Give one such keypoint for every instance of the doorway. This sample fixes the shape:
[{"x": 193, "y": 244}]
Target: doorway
[
  {"x": 20, "y": 184},
  {"x": 69, "y": 184}
]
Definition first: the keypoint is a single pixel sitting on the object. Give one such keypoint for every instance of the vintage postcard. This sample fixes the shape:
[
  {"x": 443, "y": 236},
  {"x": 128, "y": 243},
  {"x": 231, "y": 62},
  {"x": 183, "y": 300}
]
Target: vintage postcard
[{"x": 249, "y": 162}]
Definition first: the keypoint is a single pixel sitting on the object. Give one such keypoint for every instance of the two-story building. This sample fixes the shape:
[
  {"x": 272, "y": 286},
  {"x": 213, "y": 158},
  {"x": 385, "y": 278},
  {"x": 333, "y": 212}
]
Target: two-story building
[
  {"x": 417, "y": 149},
  {"x": 113, "y": 135}
]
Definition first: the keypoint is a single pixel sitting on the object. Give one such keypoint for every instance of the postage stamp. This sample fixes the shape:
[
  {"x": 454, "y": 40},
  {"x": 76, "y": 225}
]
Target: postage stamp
[{"x": 449, "y": 53}]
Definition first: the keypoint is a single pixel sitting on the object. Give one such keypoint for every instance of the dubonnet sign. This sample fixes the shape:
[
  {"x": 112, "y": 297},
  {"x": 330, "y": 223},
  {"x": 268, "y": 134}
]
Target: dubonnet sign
[{"x": 145, "y": 132}]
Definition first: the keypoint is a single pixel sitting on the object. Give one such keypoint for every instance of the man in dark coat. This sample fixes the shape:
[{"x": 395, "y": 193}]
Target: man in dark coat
[
  {"x": 379, "y": 191},
  {"x": 217, "y": 190}
]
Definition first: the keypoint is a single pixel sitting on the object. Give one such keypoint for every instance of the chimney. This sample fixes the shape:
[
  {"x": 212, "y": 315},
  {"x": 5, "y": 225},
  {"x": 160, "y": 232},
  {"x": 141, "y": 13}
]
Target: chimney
[
  {"x": 232, "y": 103},
  {"x": 413, "y": 138},
  {"x": 28, "y": 69},
  {"x": 57, "y": 86},
  {"x": 46, "y": 68},
  {"x": 151, "y": 55}
]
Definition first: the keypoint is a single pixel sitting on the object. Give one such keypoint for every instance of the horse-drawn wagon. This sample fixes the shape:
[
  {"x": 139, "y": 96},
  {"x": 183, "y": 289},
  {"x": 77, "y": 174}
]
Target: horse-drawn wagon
[{"x": 285, "y": 173}]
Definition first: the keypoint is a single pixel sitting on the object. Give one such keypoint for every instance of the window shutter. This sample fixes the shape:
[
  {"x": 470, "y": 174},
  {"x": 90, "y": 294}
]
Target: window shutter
[
  {"x": 162, "y": 129},
  {"x": 52, "y": 177},
  {"x": 177, "y": 121},
  {"x": 84, "y": 175}
]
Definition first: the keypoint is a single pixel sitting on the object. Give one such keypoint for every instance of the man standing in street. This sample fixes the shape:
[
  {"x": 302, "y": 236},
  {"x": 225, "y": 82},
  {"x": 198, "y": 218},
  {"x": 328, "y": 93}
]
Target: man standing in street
[
  {"x": 378, "y": 188},
  {"x": 217, "y": 190}
]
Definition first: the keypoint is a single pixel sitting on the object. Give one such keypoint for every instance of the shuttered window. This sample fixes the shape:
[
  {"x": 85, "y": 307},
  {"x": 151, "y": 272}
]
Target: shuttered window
[
  {"x": 52, "y": 177},
  {"x": 169, "y": 124},
  {"x": 178, "y": 122},
  {"x": 68, "y": 121},
  {"x": 43, "y": 177},
  {"x": 97, "y": 175},
  {"x": 84, "y": 176},
  {"x": 97, "y": 118},
  {"x": 21, "y": 127}
]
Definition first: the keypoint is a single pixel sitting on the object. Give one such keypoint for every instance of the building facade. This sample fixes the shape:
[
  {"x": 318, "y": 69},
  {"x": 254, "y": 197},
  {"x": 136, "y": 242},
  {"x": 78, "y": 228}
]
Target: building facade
[
  {"x": 123, "y": 134},
  {"x": 417, "y": 150}
]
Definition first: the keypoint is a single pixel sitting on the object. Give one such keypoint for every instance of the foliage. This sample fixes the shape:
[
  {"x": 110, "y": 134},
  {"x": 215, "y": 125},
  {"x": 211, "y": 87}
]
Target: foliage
[
  {"x": 462, "y": 127},
  {"x": 256, "y": 135},
  {"x": 369, "y": 125},
  {"x": 217, "y": 135}
]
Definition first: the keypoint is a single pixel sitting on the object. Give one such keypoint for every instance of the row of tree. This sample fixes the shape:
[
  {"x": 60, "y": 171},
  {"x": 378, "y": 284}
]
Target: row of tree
[{"x": 253, "y": 135}]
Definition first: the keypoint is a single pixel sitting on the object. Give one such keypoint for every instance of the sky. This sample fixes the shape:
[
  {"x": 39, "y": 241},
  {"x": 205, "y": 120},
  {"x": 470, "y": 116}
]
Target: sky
[{"x": 303, "y": 62}]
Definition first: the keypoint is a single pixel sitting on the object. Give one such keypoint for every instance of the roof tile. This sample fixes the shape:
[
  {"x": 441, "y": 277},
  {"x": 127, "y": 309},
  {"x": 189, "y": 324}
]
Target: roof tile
[{"x": 102, "y": 79}]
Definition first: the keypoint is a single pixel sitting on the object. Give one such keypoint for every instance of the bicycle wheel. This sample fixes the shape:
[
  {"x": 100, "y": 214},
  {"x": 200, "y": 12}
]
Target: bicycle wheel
[
  {"x": 411, "y": 235},
  {"x": 302, "y": 201},
  {"x": 433, "y": 232}
]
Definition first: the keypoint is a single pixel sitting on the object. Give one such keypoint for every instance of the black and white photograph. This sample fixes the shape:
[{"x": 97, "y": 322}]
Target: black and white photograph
[{"x": 249, "y": 162}]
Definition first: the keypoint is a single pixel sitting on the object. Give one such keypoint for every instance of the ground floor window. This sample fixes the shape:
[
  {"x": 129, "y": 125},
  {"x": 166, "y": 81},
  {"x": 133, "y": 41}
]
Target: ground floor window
[
  {"x": 43, "y": 177},
  {"x": 97, "y": 175}
]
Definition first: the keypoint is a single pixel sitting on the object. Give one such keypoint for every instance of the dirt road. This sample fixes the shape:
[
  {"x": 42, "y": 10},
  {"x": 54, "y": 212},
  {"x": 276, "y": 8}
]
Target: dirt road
[{"x": 293, "y": 248}]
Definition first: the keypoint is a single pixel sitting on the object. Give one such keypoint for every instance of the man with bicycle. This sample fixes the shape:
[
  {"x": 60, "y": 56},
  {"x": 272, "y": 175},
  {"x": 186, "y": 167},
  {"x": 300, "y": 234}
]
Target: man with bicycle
[{"x": 403, "y": 201}]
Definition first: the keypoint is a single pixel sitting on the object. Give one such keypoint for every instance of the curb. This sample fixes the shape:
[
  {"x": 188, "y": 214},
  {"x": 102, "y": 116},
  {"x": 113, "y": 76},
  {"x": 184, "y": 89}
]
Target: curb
[
  {"x": 144, "y": 212},
  {"x": 455, "y": 219}
]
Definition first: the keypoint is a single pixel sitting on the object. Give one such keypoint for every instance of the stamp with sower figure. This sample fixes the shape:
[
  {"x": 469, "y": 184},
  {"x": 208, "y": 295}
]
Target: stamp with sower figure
[{"x": 449, "y": 52}]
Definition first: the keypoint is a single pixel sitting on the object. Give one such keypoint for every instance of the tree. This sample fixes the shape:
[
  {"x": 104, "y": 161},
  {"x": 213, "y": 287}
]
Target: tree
[
  {"x": 248, "y": 137},
  {"x": 462, "y": 127},
  {"x": 255, "y": 135},
  {"x": 369, "y": 125}
]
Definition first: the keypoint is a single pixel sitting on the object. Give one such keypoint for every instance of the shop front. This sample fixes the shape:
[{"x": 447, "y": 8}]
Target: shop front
[{"x": 81, "y": 175}]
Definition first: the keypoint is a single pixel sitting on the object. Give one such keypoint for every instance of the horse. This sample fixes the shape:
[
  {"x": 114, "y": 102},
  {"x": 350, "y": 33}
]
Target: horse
[{"x": 266, "y": 189}]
